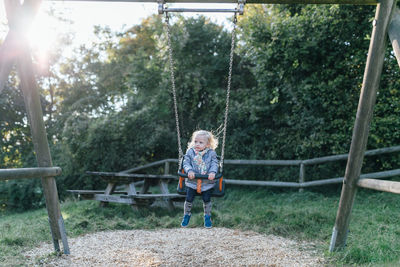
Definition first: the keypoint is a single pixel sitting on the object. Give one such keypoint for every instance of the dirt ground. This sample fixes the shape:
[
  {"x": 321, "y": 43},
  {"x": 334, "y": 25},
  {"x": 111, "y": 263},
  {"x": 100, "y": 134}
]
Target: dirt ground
[{"x": 178, "y": 247}]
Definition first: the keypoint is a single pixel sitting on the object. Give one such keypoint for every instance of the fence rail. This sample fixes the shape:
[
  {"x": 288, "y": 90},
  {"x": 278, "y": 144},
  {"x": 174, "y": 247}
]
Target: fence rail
[
  {"x": 27, "y": 173},
  {"x": 302, "y": 183},
  {"x": 386, "y": 186}
]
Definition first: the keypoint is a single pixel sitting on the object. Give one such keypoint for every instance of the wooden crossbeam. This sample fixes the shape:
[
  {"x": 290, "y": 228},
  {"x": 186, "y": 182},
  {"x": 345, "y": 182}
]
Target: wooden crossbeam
[
  {"x": 340, "y": 2},
  {"x": 19, "y": 17},
  {"x": 24, "y": 173},
  {"x": 89, "y": 194},
  {"x": 114, "y": 198},
  {"x": 380, "y": 185},
  {"x": 93, "y": 192}
]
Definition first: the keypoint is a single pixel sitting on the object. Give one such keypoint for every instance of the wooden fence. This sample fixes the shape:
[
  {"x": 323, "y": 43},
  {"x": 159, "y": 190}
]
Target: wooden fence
[{"x": 301, "y": 164}]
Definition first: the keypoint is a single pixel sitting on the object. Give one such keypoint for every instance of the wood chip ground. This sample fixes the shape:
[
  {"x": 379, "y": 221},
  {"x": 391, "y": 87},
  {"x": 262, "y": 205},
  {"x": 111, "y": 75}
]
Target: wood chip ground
[{"x": 178, "y": 247}]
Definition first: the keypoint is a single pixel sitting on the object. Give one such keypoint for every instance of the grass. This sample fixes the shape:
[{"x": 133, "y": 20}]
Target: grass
[{"x": 373, "y": 239}]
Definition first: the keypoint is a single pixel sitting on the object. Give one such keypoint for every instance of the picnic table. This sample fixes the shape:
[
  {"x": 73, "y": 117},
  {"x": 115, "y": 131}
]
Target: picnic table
[{"x": 132, "y": 196}]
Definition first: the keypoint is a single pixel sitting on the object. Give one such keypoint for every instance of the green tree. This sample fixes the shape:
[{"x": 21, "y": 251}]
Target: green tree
[
  {"x": 309, "y": 63},
  {"x": 309, "y": 68},
  {"x": 136, "y": 70}
]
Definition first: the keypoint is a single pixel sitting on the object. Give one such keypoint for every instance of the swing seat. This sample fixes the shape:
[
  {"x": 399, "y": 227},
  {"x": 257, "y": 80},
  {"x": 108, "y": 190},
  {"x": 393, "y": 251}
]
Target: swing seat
[{"x": 219, "y": 186}]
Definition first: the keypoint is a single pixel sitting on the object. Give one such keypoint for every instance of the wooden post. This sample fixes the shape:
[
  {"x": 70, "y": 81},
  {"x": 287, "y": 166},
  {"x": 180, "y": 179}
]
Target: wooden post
[
  {"x": 301, "y": 176},
  {"x": 394, "y": 34},
  {"x": 7, "y": 59},
  {"x": 372, "y": 75},
  {"x": 109, "y": 190},
  {"x": 131, "y": 190},
  {"x": 146, "y": 186},
  {"x": 17, "y": 50},
  {"x": 164, "y": 187},
  {"x": 39, "y": 138}
]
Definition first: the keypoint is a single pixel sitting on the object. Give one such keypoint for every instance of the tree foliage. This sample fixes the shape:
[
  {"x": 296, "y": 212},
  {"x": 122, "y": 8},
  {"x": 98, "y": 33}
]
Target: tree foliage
[
  {"x": 296, "y": 81},
  {"x": 309, "y": 68}
]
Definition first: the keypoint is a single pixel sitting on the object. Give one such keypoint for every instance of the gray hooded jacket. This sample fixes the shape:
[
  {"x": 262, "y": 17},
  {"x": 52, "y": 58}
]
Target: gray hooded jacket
[{"x": 211, "y": 161}]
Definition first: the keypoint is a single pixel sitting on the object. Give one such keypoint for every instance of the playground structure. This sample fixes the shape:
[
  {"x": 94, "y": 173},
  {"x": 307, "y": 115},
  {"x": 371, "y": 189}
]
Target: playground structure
[{"x": 15, "y": 51}]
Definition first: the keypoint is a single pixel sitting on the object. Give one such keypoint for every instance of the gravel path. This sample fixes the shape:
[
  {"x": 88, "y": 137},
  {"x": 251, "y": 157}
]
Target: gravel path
[{"x": 178, "y": 247}]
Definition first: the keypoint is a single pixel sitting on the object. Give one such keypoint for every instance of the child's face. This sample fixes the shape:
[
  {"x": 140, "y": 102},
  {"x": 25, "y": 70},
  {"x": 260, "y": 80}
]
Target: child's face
[{"x": 200, "y": 142}]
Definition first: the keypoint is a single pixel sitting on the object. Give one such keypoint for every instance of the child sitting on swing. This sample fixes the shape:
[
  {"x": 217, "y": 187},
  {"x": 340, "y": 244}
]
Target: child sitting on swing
[{"x": 200, "y": 158}]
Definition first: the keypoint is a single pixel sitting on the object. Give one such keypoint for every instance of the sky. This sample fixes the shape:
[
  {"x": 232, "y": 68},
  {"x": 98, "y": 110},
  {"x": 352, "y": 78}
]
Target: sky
[{"x": 86, "y": 14}]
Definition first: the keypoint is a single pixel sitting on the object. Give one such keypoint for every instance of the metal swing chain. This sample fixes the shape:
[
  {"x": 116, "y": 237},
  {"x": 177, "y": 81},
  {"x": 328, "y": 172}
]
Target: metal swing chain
[
  {"x": 171, "y": 67},
  {"x": 228, "y": 92}
]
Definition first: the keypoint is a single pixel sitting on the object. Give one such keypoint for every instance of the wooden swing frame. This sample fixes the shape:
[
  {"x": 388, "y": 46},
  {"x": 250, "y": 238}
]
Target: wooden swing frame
[{"x": 15, "y": 51}]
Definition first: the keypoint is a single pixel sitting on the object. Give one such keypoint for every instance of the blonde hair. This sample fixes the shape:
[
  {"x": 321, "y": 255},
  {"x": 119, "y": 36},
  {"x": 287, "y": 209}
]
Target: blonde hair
[{"x": 211, "y": 139}]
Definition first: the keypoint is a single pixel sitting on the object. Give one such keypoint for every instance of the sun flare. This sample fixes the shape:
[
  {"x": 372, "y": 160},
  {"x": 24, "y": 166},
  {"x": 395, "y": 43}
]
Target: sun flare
[{"x": 42, "y": 37}]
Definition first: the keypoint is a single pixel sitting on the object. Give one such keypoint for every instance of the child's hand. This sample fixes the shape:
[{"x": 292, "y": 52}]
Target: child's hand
[
  {"x": 211, "y": 176},
  {"x": 191, "y": 175}
]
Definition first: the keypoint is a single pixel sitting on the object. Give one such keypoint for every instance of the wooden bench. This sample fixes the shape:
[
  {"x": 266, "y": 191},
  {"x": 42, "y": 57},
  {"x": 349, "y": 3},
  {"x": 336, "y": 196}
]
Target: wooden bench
[
  {"x": 131, "y": 196},
  {"x": 139, "y": 199},
  {"x": 121, "y": 177},
  {"x": 89, "y": 194},
  {"x": 152, "y": 197}
]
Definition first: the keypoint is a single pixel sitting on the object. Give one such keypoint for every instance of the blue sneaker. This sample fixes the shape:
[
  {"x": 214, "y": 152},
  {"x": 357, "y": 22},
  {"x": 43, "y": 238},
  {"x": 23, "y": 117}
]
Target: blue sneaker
[
  {"x": 185, "y": 220},
  {"x": 207, "y": 221}
]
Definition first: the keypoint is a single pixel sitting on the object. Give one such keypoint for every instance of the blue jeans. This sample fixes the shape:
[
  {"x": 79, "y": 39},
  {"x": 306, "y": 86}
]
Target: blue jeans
[{"x": 191, "y": 193}]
